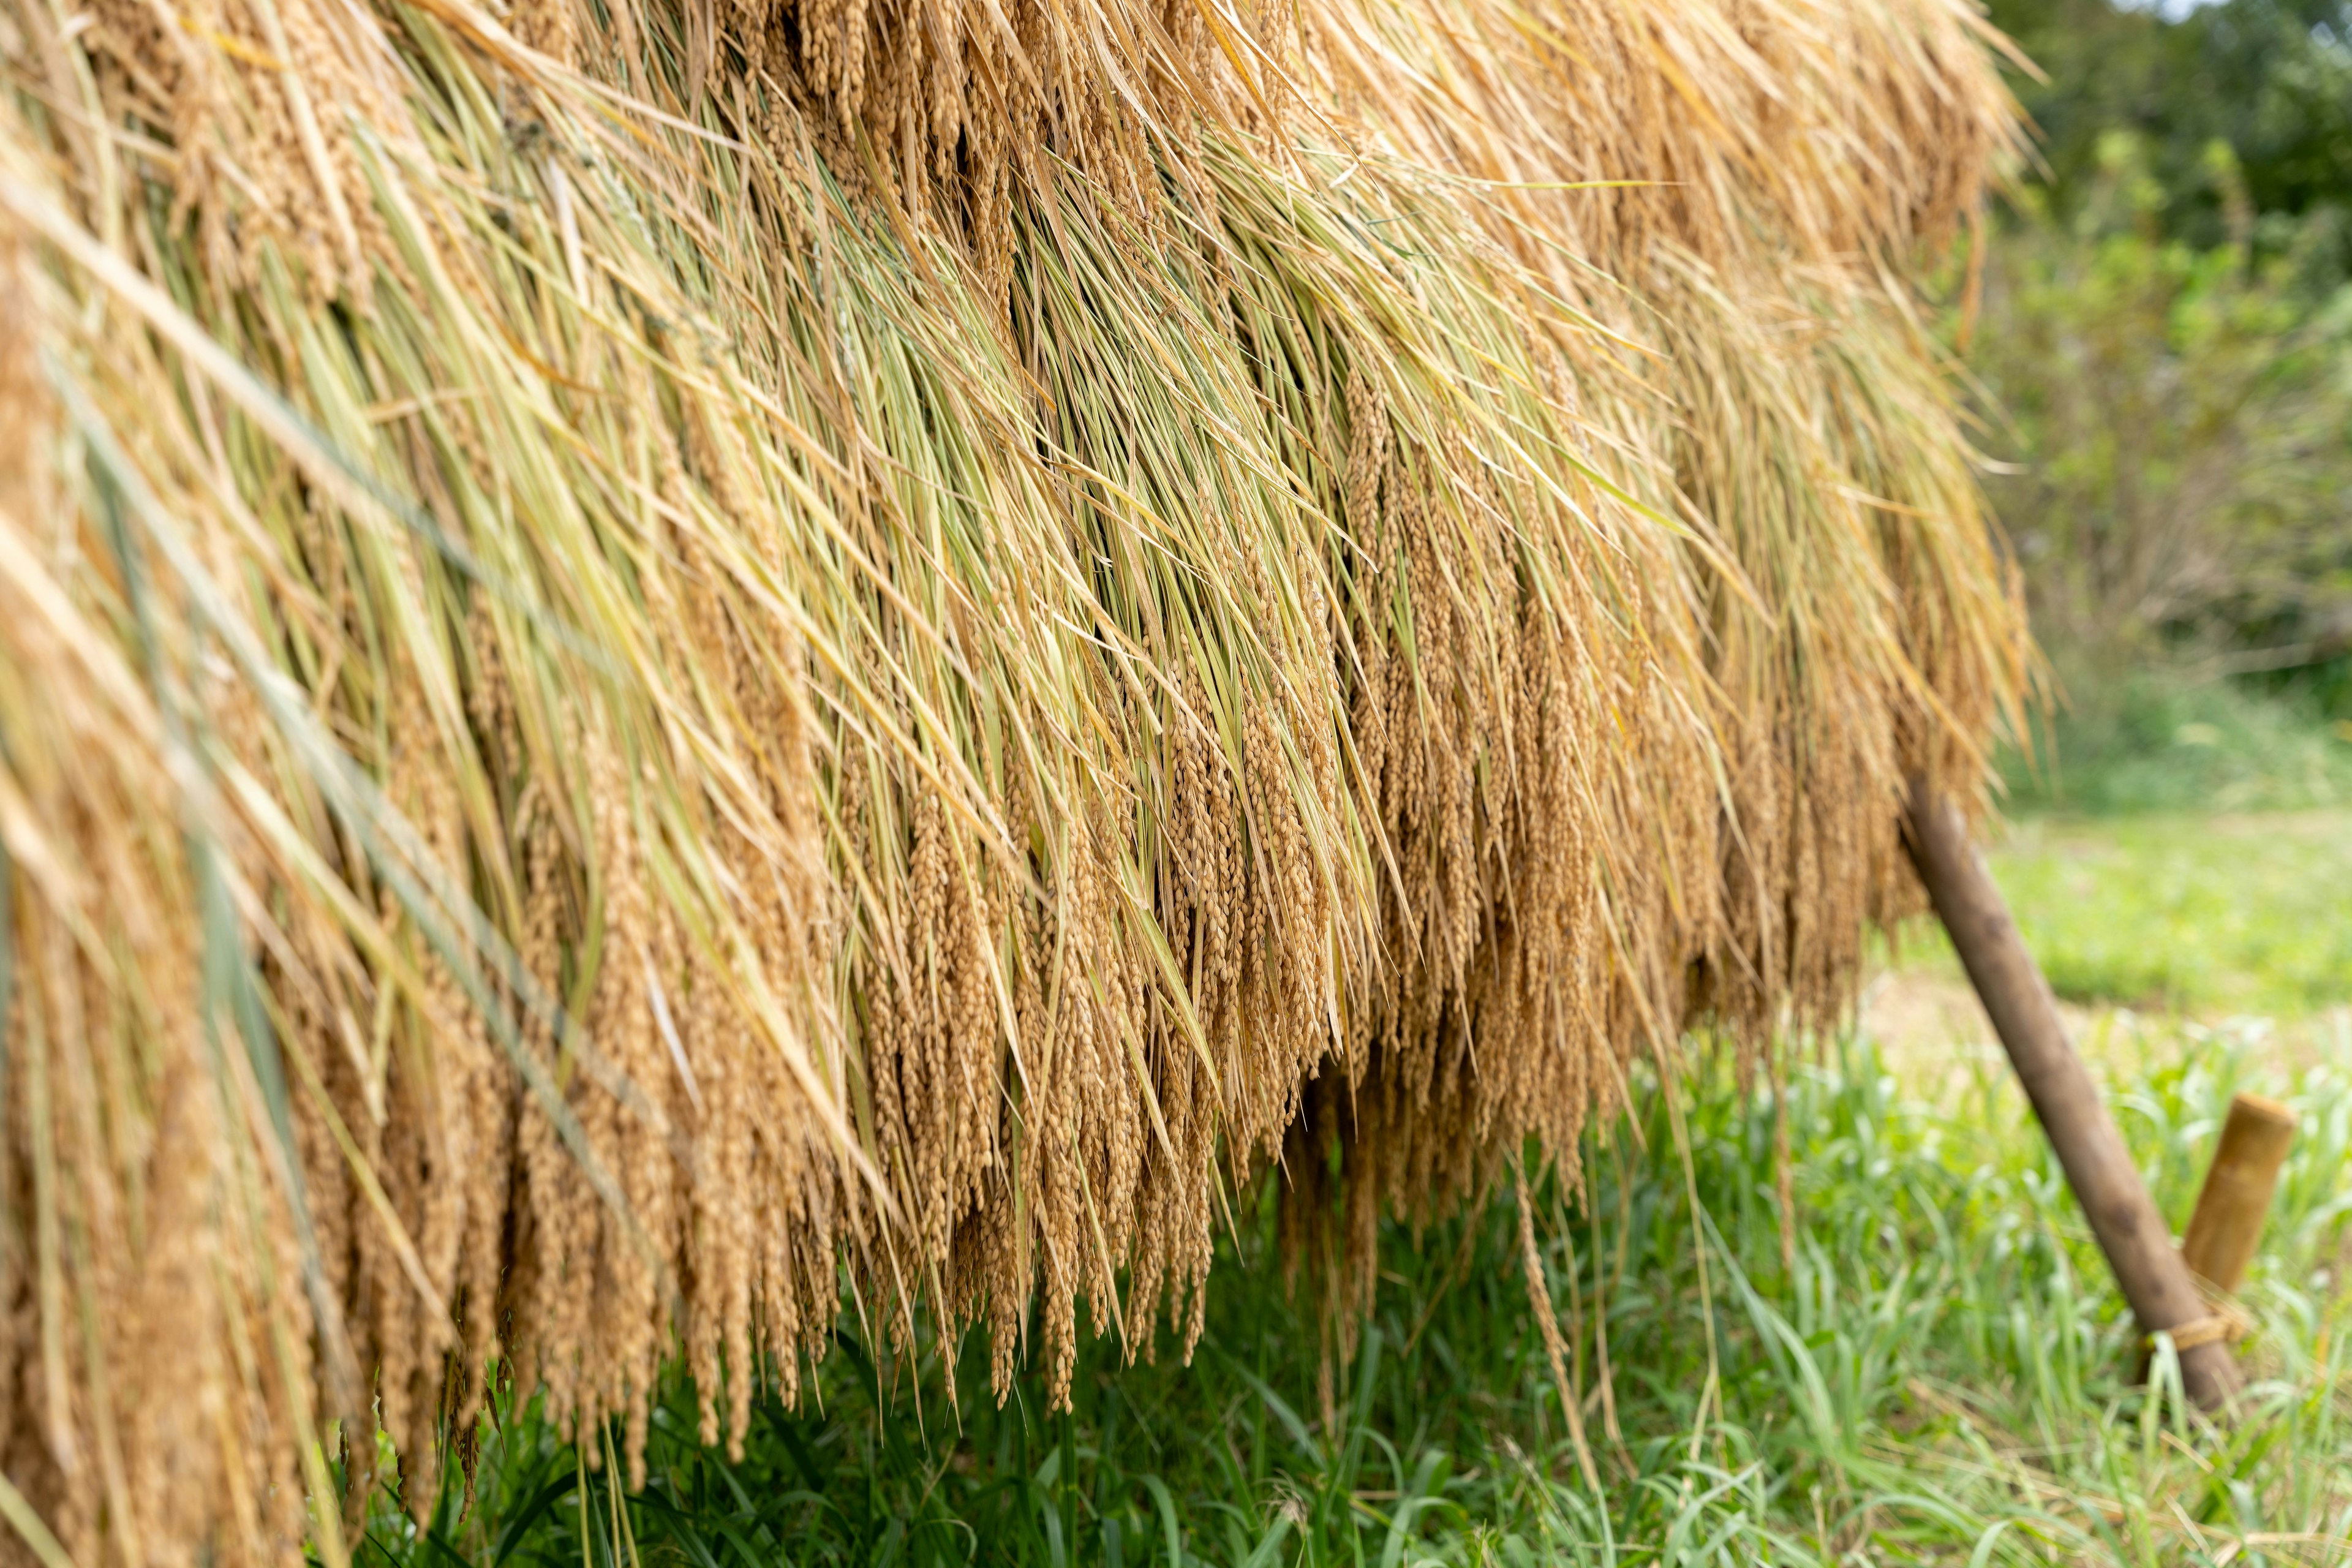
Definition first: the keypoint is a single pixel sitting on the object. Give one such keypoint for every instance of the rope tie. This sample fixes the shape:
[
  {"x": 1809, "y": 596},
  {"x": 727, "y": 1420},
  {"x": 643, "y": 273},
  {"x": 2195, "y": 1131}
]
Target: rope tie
[
  {"x": 2224, "y": 1320},
  {"x": 2197, "y": 1332}
]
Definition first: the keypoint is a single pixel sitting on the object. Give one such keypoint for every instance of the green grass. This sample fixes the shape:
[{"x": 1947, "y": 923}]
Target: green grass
[
  {"x": 2198, "y": 914},
  {"x": 2170, "y": 740},
  {"x": 1942, "y": 1377}
]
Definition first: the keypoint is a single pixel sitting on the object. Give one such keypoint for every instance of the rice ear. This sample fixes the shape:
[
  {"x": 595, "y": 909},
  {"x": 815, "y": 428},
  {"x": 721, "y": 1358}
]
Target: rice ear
[{"x": 778, "y": 647}]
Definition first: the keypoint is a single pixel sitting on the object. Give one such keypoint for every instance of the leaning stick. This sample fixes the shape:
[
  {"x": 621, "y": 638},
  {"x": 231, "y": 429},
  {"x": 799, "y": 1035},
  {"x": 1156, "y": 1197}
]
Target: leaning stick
[{"x": 2024, "y": 1014}]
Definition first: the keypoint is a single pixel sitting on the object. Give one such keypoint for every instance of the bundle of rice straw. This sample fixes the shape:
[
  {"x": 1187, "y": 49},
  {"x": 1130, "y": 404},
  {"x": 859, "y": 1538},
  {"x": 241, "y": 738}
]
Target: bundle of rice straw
[{"x": 664, "y": 666}]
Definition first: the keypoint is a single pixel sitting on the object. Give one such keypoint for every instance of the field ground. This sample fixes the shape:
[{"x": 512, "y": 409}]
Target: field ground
[{"x": 1939, "y": 1375}]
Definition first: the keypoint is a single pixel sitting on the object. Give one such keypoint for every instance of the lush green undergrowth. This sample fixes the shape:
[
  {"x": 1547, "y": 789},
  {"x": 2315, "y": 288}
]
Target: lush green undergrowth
[
  {"x": 2177, "y": 741},
  {"x": 1940, "y": 1376},
  {"x": 2199, "y": 914}
]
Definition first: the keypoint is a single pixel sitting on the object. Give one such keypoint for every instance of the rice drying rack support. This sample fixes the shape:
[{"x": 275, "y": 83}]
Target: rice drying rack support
[{"x": 2156, "y": 1280}]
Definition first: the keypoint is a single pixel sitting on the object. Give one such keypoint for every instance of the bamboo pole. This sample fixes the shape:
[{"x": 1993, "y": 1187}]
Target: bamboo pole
[
  {"x": 2138, "y": 1246},
  {"x": 2236, "y": 1197}
]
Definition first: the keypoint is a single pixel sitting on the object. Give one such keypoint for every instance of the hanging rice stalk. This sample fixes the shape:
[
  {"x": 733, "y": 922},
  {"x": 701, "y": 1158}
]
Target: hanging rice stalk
[{"x": 670, "y": 671}]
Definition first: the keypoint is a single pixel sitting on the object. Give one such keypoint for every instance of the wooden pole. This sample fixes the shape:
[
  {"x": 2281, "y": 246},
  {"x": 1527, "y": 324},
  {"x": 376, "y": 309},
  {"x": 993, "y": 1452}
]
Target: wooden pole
[
  {"x": 2236, "y": 1197},
  {"x": 2024, "y": 1014}
]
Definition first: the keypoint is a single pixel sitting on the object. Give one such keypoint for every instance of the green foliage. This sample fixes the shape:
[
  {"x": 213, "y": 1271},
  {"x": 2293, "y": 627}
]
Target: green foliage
[
  {"x": 2269, "y": 79},
  {"x": 2199, "y": 914},
  {"x": 2166, "y": 353},
  {"x": 1940, "y": 1377},
  {"x": 2159, "y": 740},
  {"x": 2178, "y": 428}
]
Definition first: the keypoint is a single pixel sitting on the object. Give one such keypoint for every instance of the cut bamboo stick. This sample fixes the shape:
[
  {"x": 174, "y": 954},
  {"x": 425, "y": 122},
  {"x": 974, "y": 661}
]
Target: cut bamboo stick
[
  {"x": 2236, "y": 1197},
  {"x": 2131, "y": 1232}
]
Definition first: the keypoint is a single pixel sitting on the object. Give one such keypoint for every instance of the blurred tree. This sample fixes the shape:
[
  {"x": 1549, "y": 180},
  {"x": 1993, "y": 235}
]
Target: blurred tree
[
  {"x": 2271, "y": 79},
  {"x": 2166, "y": 353},
  {"x": 2180, "y": 424}
]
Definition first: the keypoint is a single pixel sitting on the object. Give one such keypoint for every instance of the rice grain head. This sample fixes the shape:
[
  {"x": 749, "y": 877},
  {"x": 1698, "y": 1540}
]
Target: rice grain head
[{"x": 654, "y": 666}]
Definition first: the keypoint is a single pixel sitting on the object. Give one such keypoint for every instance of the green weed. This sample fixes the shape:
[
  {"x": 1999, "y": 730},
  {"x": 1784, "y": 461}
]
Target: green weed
[
  {"x": 2169, "y": 740},
  {"x": 2196, "y": 915}
]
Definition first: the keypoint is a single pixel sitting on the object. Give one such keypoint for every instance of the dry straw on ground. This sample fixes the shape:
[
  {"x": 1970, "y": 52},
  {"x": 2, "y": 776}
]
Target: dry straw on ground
[{"x": 668, "y": 671}]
